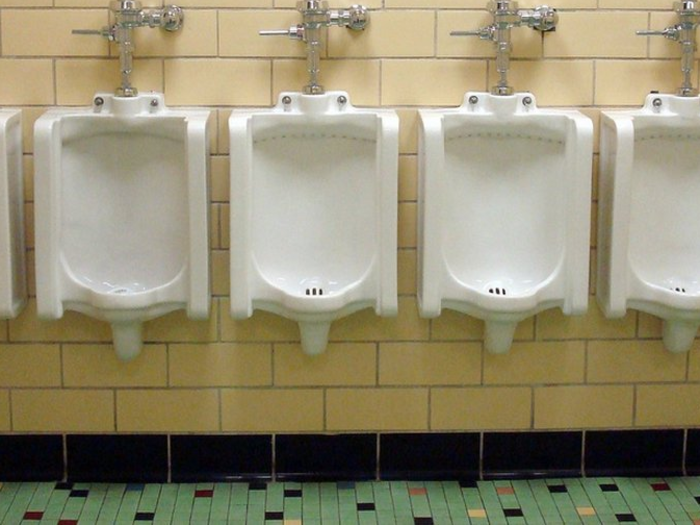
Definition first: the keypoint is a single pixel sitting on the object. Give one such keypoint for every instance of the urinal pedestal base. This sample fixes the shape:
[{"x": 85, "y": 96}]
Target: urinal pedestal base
[
  {"x": 128, "y": 339},
  {"x": 498, "y": 336},
  {"x": 314, "y": 336},
  {"x": 679, "y": 335}
]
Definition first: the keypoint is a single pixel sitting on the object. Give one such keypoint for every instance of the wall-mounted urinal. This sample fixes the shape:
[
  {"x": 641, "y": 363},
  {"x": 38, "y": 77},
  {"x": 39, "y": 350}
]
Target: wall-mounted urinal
[
  {"x": 313, "y": 209},
  {"x": 13, "y": 282},
  {"x": 121, "y": 211},
  {"x": 649, "y": 219},
  {"x": 504, "y": 206}
]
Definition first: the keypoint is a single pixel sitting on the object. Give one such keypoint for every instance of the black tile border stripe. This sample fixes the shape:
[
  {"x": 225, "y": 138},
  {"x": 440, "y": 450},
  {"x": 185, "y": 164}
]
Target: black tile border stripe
[{"x": 362, "y": 456}]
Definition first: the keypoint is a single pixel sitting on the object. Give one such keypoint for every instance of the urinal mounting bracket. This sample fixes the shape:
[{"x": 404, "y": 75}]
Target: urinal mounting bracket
[
  {"x": 129, "y": 15},
  {"x": 316, "y": 17},
  {"x": 684, "y": 32},
  {"x": 507, "y": 16}
]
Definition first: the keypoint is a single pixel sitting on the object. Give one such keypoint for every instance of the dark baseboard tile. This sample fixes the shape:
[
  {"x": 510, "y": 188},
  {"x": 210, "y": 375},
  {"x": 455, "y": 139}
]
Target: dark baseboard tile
[
  {"x": 117, "y": 458},
  {"x": 509, "y": 455},
  {"x": 31, "y": 457},
  {"x": 429, "y": 456},
  {"x": 318, "y": 457},
  {"x": 221, "y": 458},
  {"x": 634, "y": 452}
]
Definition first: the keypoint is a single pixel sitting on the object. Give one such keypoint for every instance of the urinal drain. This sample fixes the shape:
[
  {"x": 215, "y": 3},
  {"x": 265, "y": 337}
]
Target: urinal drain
[
  {"x": 314, "y": 291},
  {"x": 678, "y": 289},
  {"x": 497, "y": 291}
]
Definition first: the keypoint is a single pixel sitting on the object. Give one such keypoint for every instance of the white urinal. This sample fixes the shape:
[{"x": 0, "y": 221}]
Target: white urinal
[
  {"x": 121, "y": 213},
  {"x": 313, "y": 211},
  {"x": 13, "y": 287},
  {"x": 649, "y": 215},
  {"x": 504, "y": 211}
]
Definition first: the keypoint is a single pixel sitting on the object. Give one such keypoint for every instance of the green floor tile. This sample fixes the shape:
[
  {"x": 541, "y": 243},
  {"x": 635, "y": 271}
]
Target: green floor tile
[{"x": 20, "y": 503}]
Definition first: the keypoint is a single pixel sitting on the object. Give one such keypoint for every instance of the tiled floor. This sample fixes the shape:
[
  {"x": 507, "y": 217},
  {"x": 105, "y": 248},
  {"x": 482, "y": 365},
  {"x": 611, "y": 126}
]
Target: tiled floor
[{"x": 599, "y": 500}]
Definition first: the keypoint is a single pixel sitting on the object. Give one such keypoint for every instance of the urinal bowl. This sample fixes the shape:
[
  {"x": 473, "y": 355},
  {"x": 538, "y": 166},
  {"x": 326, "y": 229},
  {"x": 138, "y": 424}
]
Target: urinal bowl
[
  {"x": 121, "y": 213},
  {"x": 504, "y": 211},
  {"x": 649, "y": 220},
  {"x": 13, "y": 287},
  {"x": 313, "y": 211}
]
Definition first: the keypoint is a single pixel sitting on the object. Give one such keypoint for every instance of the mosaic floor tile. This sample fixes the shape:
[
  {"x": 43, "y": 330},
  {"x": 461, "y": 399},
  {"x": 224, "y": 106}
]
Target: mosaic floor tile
[{"x": 602, "y": 501}]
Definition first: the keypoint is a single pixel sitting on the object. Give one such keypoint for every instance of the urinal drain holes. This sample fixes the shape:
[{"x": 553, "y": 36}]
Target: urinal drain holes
[
  {"x": 312, "y": 136},
  {"x": 497, "y": 291},
  {"x": 504, "y": 136},
  {"x": 314, "y": 291},
  {"x": 678, "y": 289},
  {"x": 119, "y": 291}
]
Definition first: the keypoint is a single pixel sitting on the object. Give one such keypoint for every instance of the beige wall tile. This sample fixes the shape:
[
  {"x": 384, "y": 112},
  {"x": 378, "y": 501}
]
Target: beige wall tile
[
  {"x": 649, "y": 326},
  {"x": 89, "y": 365},
  {"x": 553, "y": 324},
  {"x": 583, "y": 407},
  {"x": 480, "y": 408},
  {"x": 175, "y": 327},
  {"x": 342, "y": 364},
  {"x": 525, "y": 43},
  {"x": 408, "y": 178},
  {"x": 215, "y": 226},
  {"x": 407, "y": 224},
  {"x": 456, "y": 326},
  {"x": 28, "y": 175},
  {"x": 167, "y": 411},
  {"x": 26, "y": 3},
  {"x": 198, "y": 37},
  {"x": 406, "y": 260},
  {"x": 662, "y": 47},
  {"x": 220, "y": 178},
  {"x": 54, "y": 410},
  {"x": 220, "y": 274},
  {"x": 238, "y": 34},
  {"x": 212, "y": 82},
  {"x": 47, "y": 32},
  {"x": 223, "y": 145},
  {"x": 391, "y": 409},
  {"x": 537, "y": 363},
  {"x": 15, "y": 90},
  {"x": 412, "y": 82},
  {"x": 78, "y": 80},
  {"x": 29, "y": 225},
  {"x": 553, "y": 82},
  {"x": 262, "y": 326},
  {"x": 220, "y": 364},
  {"x": 614, "y": 35},
  {"x": 367, "y": 326},
  {"x": 3, "y": 331},
  {"x": 667, "y": 406},
  {"x": 408, "y": 130},
  {"x": 5, "y": 411},
  {"x": 292, "y": 3},
  {"x": 225, "y": 225},
  {"x": 429, "y": 363},
  {"x": 641, "y": 77},
  {"x": 694, "y": 362},
  {"x": 225, "y": 3},
  {"x": 30, "y": 365},
  {"x": 359, "y": 78},
  {"x": 29, "y": 116},
  {"x": 71, "y": 327},
  {"x": 385, "y": 36},
  {"x": 638, "y": 4},
  {"x": 633, "y": 362},
  {"x": 268, "y": 410}
]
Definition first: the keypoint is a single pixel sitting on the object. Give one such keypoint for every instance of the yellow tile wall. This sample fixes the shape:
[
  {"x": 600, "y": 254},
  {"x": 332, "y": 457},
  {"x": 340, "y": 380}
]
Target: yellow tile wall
[{"x": 393, "y": 374}]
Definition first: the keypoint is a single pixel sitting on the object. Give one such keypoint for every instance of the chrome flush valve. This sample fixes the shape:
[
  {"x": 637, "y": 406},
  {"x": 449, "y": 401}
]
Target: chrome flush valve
[
  {"x": 316, "y": 17},
  {"x": 507, "y": 16},
  {"x": 127, "y": 16},
  {"x": 684, "y": 33}
]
